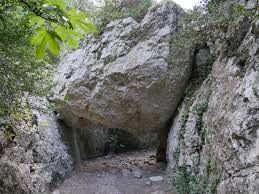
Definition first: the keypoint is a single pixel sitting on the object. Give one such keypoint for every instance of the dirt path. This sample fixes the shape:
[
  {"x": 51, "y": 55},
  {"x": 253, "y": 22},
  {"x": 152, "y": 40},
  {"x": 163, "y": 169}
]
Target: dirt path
[{"x": 127, "y": 173}]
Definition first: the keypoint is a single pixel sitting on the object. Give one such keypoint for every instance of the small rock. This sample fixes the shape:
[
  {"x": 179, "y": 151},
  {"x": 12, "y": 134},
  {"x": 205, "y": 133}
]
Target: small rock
[
  {"x": 113, "y": 171},
  {"x": 125, "y": 172},
  {"x": 108, "y": 157},
  {"x": 137, "y": 173},
  {"x": 156, "y": 178},
  {"x": 134, "y": 168},
  {"x": 56, "y": 192},
  {"x": 158, "y": 192},
  {"x": 148, "y": 183}
]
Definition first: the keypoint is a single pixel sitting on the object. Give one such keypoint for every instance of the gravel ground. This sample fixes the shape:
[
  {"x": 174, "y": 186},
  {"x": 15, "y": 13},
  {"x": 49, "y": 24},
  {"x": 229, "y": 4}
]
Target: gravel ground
[{"x": 126, "y": 173}]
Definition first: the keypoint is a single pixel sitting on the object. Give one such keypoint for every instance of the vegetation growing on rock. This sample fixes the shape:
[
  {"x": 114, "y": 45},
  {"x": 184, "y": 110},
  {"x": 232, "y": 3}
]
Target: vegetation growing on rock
[
  {"x": 117, "y": 89},
  {"x": 109, "y": 10},
  {"x": 225, "y": 28},
  {"x": 42, "y": 23}
]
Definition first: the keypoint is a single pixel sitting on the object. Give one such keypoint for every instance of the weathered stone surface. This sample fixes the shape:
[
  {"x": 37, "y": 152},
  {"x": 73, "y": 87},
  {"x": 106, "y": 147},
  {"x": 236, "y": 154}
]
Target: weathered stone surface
[
  {"x": 13, "y": 179},
  {"x": 234, "y": 118},
  {"x": 137, "y": 173},
  {"x": 37, "y": 158},
  {"x": 126, "y": 79},
  {"x": 126, "y": 172},
  {"x": 224, "y": 149}
]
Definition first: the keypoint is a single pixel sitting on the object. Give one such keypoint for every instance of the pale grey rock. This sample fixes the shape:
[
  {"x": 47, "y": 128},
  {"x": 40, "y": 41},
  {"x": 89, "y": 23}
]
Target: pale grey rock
[
  {"x": 137, "y": 173},
  {"x": 14, "y": 179},
  {"x": 56, "y": 192},
  {"x": 38, "y": 158},
  {"x": 158, "y": 192},
  {"x": 229, "y": 146},
  {"x": 126, "y": 172},
  {"x": 108, "y": 156},
  {"x": 135, "y": 168},
  {"x": 173, "y": 141},
  {"x": 156, "y": 178},
  {"x": 235, "y": 117},
  {"x": 126, "y": 79},
  {"x": 148, "y": 183},
  {"x": 249, "y": 4}
]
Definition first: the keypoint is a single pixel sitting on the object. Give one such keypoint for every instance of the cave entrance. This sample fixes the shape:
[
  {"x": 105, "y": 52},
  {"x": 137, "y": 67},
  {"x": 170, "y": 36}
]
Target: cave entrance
[
  {"x": 98, "y": 141},
  {"x": 101, "y": 142}
]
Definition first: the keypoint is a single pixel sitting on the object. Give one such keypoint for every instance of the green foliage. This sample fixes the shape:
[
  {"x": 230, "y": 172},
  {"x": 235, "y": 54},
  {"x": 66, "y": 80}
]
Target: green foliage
[
  {"x": 53, "y": 22},
  {"x": 176, "y": 154},
  {"x": 187, "y": 183},
  {"x": 199, "y": 109},
  {"x": 188, "y": 100},
  {"x": 182, "y": 181},
  {"x": 184, "y": 118},
  {"x": 247, "y": 12},
  {"x": 20, "y": 71},
  {"x": 45, "y": 39},
  {"x": 59, "y": 104},
  {"x": 117, "y": 9},
  {"x": 20, "y": 118},
  {"x": 47, "y": 24},
  {"x": 211, "y": 5},
  {"x": 210, "y": 21},
  {"x": 183, "y": 121},
  {"x": 44, "y": 123},
  {"x": 201, "y": 23}
]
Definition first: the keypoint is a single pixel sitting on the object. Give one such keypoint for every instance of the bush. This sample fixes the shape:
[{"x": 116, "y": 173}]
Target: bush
[
  {"x": 20, "y": 71},
  {"x": 186, "y": 183},
  {"x": 117, "y": 9}
]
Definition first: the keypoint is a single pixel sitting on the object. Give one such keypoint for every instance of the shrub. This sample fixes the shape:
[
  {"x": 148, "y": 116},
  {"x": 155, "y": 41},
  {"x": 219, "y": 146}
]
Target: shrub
[{"x": 117, "y": 9}]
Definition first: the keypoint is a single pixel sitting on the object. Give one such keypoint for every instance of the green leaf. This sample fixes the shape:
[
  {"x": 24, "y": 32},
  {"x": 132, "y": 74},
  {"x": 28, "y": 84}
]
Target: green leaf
[
  {"x": 69, "y": 36},
  {"x": 46, "y": 39},
  {"x": 80, "y": 20},
  {"x": 40, "y": 33},
  {"x": 36, "y": 20},
  {"x": 73, "y": 43},
  {"x": 40, "y": 50},
  {"x": 40, "y": 40},
  {"x": 53, "y": 43}
]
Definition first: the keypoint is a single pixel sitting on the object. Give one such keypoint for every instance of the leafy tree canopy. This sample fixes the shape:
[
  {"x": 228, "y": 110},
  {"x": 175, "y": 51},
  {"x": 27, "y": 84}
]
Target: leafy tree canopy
[
  {"x": 46, "y": 25},
  {"x": 105, "y": 11},
  {"x": 53, "y": 22}
]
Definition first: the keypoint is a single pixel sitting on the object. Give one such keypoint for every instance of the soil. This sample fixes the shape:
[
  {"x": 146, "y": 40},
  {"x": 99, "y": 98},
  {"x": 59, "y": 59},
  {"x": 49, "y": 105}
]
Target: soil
[{"x": 126, "y": 173}]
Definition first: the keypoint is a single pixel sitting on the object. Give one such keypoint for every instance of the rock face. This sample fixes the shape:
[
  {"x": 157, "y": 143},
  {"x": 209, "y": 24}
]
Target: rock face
[
  {"x": 215, "y": 135},
  {"x": 126, "y": 79},
  {"x": 37, "y": 158}
]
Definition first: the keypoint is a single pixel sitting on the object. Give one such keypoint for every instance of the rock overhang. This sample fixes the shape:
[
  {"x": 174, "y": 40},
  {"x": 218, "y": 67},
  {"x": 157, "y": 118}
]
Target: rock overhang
[{"x": 126, "y": 79}]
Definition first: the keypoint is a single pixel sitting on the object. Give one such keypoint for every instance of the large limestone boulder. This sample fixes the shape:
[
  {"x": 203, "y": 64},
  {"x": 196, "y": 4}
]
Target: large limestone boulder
[{"x": 126, "y": 78}]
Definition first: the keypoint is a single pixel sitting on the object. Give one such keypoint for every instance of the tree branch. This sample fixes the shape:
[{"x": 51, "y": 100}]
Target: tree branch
[{"x": 40, "y": 14}]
